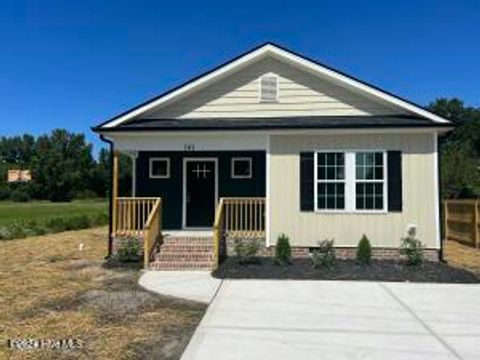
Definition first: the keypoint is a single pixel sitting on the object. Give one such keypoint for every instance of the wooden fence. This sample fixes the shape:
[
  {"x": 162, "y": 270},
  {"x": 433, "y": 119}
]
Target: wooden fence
[{"x": 462, "y": 221}]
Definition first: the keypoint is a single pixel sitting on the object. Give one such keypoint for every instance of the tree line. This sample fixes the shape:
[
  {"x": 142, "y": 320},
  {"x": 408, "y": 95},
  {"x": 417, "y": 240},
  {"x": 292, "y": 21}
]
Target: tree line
[
  {"x": 63, "y": 166},
  {"x": 459, "y": 149}
]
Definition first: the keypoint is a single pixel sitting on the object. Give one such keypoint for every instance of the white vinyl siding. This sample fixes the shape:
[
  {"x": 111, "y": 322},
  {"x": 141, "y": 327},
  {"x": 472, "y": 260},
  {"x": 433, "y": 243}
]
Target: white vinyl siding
[{"x": 301, "y": 94}]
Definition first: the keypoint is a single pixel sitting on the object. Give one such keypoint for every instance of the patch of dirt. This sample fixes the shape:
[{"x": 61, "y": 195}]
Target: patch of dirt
[
  {"x": 379, "y": 270},
  {"x": 167, "y": 347},
  {"x": 52, "y": 290}
]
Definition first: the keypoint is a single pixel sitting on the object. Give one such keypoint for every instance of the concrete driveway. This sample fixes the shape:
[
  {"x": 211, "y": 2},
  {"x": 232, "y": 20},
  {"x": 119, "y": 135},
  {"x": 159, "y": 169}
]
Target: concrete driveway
[{"x": 297, "y": 320}]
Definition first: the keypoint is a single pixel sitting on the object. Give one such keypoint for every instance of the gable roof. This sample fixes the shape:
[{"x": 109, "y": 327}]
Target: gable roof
[{"x": 255, "y": 55}]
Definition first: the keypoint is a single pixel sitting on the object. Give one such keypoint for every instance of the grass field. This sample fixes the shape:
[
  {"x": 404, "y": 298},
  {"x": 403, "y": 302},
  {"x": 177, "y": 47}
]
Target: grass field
[
  {"x": 42, "y": 210},
  {"x": 52, "y": 290}
]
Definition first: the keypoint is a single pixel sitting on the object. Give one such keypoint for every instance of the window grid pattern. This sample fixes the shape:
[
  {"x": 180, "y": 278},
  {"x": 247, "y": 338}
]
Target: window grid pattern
[
  {"x": 369, "y": 180},
  {"x": 330, "y": 181}
]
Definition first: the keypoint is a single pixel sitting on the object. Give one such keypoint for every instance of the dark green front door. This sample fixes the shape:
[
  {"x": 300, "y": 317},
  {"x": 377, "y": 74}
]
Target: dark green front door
[{"x": 200, "y": 193}]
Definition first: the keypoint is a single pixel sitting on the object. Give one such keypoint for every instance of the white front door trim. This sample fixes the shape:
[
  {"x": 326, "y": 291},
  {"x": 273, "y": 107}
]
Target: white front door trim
[{"x": 184, "y": 189}]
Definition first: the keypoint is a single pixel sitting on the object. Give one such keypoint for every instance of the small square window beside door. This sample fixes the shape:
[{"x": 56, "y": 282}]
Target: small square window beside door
[
  {"x": 241, "y": 168},
  {"x": 159, "y": 168}
]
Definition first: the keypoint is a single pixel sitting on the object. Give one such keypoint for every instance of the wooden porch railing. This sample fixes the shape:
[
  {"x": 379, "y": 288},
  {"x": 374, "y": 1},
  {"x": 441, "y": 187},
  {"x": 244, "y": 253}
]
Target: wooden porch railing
[
  {"x": 462, "y": 221},
  {"x": 139, "y": 217},
  {"x": 238, "y": 217},
  {"x": 132, "y": 214}
]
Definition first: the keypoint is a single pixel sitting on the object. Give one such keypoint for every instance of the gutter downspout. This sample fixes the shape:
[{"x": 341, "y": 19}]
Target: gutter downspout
[{"x": 110, "y": 201}]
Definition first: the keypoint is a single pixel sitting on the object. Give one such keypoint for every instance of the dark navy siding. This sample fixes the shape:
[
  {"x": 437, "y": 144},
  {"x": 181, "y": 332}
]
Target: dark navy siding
[{"x": 171, "y": 189}]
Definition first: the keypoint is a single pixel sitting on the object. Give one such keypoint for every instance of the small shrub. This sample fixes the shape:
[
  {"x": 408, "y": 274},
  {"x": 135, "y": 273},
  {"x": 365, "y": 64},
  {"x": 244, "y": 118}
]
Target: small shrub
[
  {"x": 128, "y": 250},
  {"x": 33, "y": 228},
  {"x": 19, "y": 196},
  {"x": 55, "y": 225},
  {"x": 364, "y": 251},
  {"x": 325, "y": 255},
  {"x": 99, "y": 219},
  {"x": 246, "y": 251},
  {"x": 77, "y": 222},
  {"x": 15, "y": 230},
  {"x": 283, "y": 251},
  {"x": 412, "y": 248}
]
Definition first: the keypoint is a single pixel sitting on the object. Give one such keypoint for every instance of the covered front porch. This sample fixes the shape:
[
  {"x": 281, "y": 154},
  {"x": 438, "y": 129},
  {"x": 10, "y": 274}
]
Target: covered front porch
[{"x": 182, "y": 211}]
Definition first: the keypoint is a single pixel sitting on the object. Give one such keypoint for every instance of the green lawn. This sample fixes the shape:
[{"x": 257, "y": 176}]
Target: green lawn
[{"x": 42, "y": 210}]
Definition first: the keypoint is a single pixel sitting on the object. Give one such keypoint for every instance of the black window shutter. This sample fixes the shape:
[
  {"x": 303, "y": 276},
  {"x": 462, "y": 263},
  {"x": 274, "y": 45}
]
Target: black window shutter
[
  {"x": 394, "y": 171},
  {"x": 306, "y": 181}
]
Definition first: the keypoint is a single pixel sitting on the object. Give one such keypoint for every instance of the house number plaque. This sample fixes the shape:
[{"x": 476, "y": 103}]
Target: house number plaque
[{"x": 189, "y": 147}]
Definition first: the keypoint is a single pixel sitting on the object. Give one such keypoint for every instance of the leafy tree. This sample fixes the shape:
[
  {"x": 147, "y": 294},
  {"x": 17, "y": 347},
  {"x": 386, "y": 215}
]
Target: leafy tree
[
  {"x": 460, "y": 150},
  {"x": 17, "y": 151},
  {"x": 61, "y": 165},
  {"x": 101, "y": 174}
]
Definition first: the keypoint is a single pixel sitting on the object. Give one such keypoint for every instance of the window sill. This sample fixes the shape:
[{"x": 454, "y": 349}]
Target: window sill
[{"x": 351, "y": 212}]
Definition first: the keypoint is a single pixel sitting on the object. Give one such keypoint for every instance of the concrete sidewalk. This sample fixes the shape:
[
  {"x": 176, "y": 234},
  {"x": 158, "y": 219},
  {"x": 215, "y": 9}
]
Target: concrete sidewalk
[
  {"x": 191, "y": 285},
  {"x": 281, "y": 319}
]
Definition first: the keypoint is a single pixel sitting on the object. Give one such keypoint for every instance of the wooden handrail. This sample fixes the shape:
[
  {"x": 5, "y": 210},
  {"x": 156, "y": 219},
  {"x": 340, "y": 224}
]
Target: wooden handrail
[
  {"x": 152, "y": 231},
  {"x": 217, "y": 233},
  {"x": 139, "y": 217},
  {"x": 238, "y": 217}
]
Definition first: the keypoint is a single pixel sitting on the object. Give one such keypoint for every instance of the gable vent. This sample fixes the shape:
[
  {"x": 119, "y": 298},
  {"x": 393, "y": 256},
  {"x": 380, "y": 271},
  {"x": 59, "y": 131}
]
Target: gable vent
[{"x": 269, "y": 88}]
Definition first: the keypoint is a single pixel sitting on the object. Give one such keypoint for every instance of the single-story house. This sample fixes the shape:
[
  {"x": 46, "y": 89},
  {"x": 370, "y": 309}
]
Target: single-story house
[{"x": 272, "y": 143}]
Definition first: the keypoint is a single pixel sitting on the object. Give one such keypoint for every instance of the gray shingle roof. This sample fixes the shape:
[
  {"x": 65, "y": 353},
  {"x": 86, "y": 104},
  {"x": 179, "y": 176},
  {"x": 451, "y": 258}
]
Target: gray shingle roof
[{"x": 307, "y": 122}]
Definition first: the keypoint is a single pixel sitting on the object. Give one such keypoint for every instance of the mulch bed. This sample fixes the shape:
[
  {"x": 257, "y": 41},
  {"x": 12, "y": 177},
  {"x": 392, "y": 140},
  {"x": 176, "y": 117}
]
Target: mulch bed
[{"x": 379, "y": 270}]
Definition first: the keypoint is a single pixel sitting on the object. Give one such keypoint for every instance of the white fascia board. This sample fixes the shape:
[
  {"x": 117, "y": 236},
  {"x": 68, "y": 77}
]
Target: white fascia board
[
  {"x": 283, "y": 55},
  {"x": 189, "y": 87},
  {"x": 295, "y": 59}
]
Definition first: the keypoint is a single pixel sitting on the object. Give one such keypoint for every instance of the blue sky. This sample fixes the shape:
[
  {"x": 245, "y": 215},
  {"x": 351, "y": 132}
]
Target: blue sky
[{"x": 74, "y": 64}]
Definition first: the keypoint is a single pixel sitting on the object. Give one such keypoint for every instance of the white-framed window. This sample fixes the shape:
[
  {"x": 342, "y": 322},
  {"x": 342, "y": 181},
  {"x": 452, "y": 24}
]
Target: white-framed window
[
  {"x": 350, "y": 181},
  {"x": 330, "y": 182},
  {"x": 241, "y": 168},
  {"x": 369, "y": 180},
  {"x": 159, "y": 168},
  {"x": 268, "y": 91}
]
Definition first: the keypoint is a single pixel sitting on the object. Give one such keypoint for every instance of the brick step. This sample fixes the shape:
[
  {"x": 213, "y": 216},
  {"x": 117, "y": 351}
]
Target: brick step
[
  {"x": 188, "y": 240},
  {"x": 183, "y": 257},
  {"x": 185, "y": 248},
  {"x": 181, "y": 265}
]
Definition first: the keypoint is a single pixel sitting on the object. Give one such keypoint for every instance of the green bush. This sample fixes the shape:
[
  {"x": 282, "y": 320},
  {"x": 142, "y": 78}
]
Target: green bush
[
  {"x": 246, "y": 251},
  {"x": 77, "y": 222},
  {"x": 325, "y": 255},
  {"x": 33, "y": 228},
  {"x": 283, "y": 251},
  {"x": 55, "y": 225},
  {"x": 19, "y": 196},
  {"x": 4, "y": 193},
  {"x": 412, "y": 248},
  {"x": 128, "y": 250},
  {"x": 99, "y": 219},
  {"x": 364, "y": 251},
  {"x": 15, "y": 230}
]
